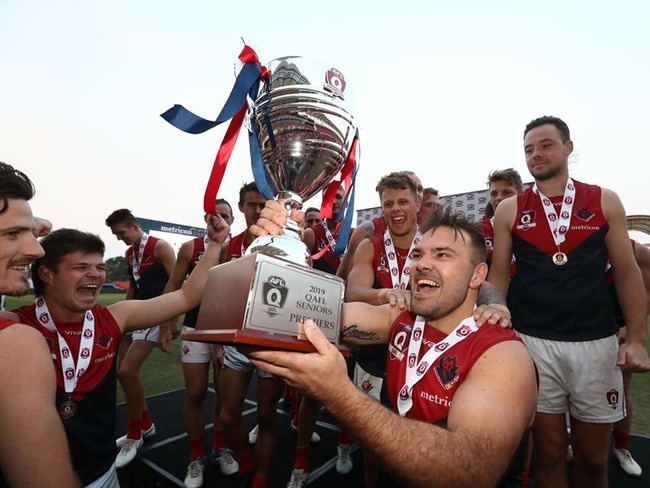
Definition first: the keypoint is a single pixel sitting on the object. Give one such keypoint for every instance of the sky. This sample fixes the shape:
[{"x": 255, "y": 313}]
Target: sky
[{"x": 441, "y": 88}]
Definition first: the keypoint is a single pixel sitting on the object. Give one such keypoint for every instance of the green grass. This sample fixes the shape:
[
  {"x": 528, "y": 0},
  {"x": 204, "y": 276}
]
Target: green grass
[{"x": 164, "y": 372}]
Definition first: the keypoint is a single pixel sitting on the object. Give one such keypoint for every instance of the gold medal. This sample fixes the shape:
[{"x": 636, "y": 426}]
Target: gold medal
[
  {"x": 559, "y": 258},
  {"x": 67, "y": 409}
]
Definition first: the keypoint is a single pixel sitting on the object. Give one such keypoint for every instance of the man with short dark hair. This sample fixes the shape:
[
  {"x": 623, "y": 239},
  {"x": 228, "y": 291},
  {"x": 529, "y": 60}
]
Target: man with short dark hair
[
  {"x": 84, "y": 336},
  {"x": 33, "y": 447},
  {"x": 559, "y": 231}
]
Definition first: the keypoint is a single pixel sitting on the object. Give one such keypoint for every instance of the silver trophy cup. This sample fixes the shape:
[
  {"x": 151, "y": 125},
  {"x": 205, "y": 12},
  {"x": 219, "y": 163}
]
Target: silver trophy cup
[{"x": 305, "y": 132}]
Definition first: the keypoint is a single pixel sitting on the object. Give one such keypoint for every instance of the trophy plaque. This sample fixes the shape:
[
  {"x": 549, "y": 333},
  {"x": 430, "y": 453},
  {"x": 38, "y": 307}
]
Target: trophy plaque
[{"x": 304, "y": 133}]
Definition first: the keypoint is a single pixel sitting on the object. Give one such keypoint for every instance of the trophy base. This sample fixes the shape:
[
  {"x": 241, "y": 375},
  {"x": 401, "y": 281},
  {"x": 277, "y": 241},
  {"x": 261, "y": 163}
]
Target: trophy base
[{"x": 257, "y": 339}]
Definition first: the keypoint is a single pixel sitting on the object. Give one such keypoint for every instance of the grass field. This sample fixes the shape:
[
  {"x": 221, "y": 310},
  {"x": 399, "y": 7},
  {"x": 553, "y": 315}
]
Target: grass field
[{"x": 163, "y": 372}]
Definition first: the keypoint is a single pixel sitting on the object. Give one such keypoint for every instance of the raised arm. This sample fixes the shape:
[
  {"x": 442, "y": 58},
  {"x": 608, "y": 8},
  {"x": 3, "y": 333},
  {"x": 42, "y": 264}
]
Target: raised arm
[
  {"x": 359, "y": 234},
  {"x": 29, "y": 422},
  {"x": 137, "y": 314},
  {"x": 499, "y": 274}
]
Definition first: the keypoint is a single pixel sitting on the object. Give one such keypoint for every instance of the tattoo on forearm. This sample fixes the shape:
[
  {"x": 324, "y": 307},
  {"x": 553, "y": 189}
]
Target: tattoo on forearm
[
  {"x": 355, "y": 332},
  {"x": 488, "y": 293}
]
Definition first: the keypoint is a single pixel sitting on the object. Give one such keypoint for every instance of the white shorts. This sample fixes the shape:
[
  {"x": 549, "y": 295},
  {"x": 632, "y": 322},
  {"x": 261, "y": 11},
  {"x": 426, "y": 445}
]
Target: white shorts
[
  {"x": 196, "y": 352},
  {"x": 150, "y": 335},
  {"x": 107, "y": 480},
  {"x": 237, "y": 361},
  {"x": 367, "y": 382},
  {"x": 579, "y": 377}
]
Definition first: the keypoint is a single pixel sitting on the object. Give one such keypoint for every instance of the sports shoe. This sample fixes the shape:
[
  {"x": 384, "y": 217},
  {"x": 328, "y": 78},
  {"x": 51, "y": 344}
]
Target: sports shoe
[
  {"x": 627, "y": 462},
  {"x": 314, "y": 435},
  {"x": 128, "y": 452},
  {"x": 150, "y": 432},
  {"x": 252, "y": 435},
  {"x": 227, "y": 464},
  {"x": 194, "y": 477},
  {"x": 298, "y": 479},
  {"x": 343, "y": 459}
]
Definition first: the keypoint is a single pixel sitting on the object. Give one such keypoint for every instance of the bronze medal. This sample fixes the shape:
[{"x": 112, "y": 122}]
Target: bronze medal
[
  {"x": 559, "y": 258},
  {"x": 67, "y": 409}
]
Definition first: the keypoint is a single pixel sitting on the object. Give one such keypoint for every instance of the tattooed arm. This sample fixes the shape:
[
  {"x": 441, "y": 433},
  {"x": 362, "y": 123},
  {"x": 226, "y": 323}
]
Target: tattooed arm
[{"x": 367, "y": 325}]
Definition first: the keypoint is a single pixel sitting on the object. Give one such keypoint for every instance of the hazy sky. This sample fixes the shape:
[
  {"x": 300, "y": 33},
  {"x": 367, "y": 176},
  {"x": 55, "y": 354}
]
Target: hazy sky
[{"x": 444, "y": 89}]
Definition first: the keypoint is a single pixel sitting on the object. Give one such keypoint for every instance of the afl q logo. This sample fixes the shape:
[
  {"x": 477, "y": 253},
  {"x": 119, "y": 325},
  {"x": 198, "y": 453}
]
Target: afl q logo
[{"x": 274, "y": 293}]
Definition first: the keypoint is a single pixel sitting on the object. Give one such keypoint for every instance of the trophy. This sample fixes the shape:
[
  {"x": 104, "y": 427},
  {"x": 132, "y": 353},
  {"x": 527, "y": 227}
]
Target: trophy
[{"x": 304, "y": 135}]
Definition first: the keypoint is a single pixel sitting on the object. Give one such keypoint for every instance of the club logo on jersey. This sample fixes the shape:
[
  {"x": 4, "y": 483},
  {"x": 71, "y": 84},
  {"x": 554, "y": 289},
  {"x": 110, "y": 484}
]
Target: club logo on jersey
[
  {"x": 367, "y": 385},
  {"x": 104, "y": 340},
  {"x": 274, "y": 294},
  {"x": 447, "y": 371},
  {"x": 612, "y": 398},
  {"x": 584, "y": 214},
  {"x": 527, "y": 220}
]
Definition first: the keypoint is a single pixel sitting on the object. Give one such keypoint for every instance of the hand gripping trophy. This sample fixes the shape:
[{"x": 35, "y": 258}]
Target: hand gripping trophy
[{"x": 302, "y": 135}]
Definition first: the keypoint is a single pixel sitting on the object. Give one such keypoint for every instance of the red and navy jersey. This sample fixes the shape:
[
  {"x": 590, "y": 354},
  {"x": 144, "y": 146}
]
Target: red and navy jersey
[
  {"x": 569, "y": 302},
  {"x": 90, "y": 431},
  {"x": 153, "y": 276},
  {"x": 235, "y": 246},
  {"x": 327, "y": 262},
  {"x": 198, "y": 250},
  {"x": 380, "y": 225}
]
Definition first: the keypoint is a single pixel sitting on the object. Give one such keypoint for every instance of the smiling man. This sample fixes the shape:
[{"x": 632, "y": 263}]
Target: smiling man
[
  {"x": 83, "y": 337},
  {"x": 448, "y": 380}
]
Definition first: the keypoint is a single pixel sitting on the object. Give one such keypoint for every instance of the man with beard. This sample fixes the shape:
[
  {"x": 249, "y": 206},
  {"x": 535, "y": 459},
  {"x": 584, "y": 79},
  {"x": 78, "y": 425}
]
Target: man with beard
[
  {"x": 449, "y": 380},
  {"x": 559, "y": 231}
]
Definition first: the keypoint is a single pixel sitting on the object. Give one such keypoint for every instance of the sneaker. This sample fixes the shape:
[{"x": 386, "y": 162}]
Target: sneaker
[
  {"x": 128, "y": 452},
  {"x": 252, "y": 435},
  {"x": 298, "y": 479},
  {"x": 194, "y": 477},
  {"x": 225, "y": 460},
  {"x": 150, "y": 432},
  {"x": 627, "y": 462},
  {"x": 315, "y": 438},
  {"x": 343, "y": 459}
]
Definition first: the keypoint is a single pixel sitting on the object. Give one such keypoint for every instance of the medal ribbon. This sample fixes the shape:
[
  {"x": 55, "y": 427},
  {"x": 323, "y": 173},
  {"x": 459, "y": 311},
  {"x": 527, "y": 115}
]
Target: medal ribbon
[
  {"x": 415, "y": 370},
  {"x": 235, "y": 108},
  {"x": 399, "y": 281},
  {"x": 559, "y": 226},
  {"x": 137, "y": 261},
  {"x": 71, "y": 374}
]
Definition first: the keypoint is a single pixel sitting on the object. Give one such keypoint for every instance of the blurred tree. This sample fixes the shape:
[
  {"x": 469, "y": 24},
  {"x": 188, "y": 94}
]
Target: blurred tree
[{"x": 116, "y": 269}]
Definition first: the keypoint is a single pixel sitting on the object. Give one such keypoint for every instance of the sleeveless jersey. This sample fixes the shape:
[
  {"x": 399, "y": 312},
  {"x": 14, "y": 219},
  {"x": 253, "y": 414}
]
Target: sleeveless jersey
[
  {"x": 197, "y": 253},
  {"x": 380, "y": 225},
  {"x": 90, "y": 431},
  {"x": 153, "y": 276},
  {"x": 569, "y": 302},
  {"x": 434, "y": 393},
  {"x": 327, "y": 262}
]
